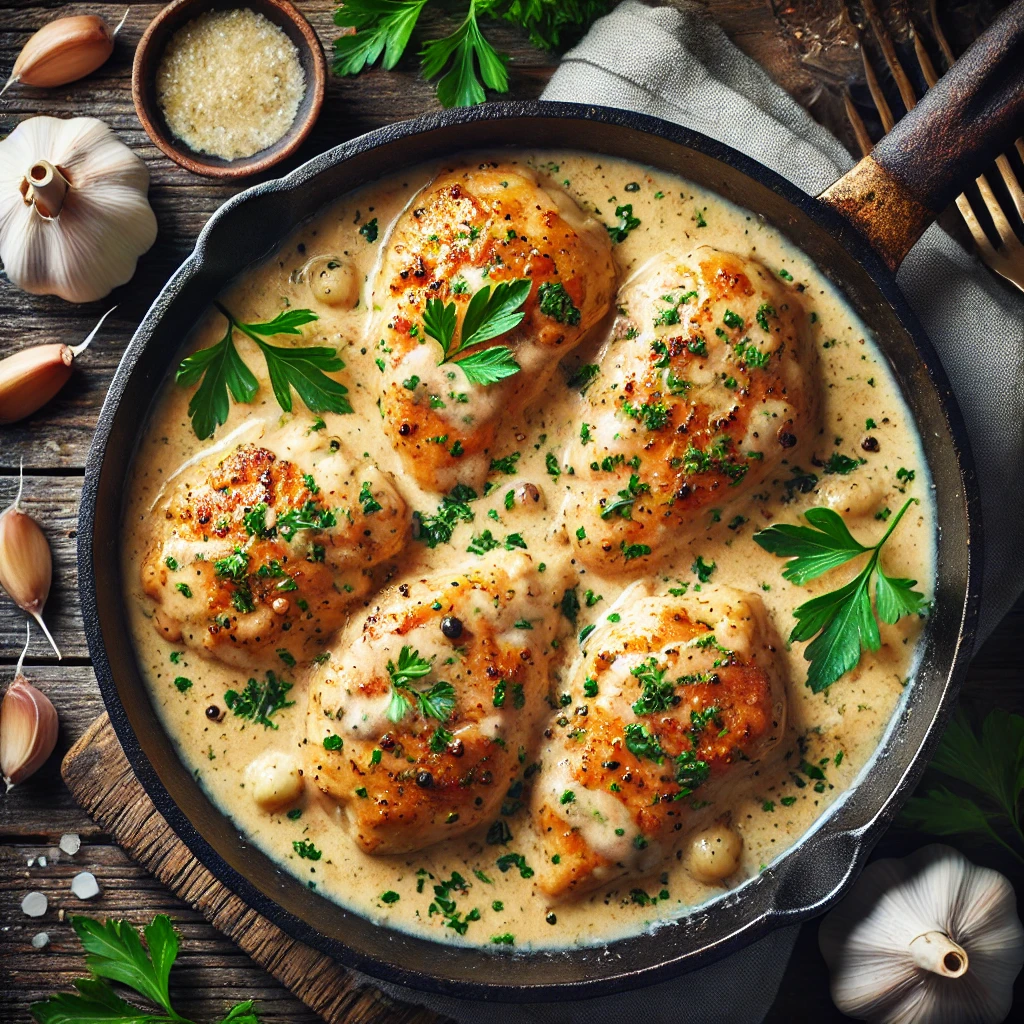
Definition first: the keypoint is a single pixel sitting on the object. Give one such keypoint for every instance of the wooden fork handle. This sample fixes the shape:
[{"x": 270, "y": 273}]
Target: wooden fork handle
[{"x": 974, "y": 111}]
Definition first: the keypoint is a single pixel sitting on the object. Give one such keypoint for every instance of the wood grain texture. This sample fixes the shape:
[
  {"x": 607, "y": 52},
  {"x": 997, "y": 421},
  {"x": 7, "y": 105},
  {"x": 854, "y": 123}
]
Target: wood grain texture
[{"x": 807, "y": 46}]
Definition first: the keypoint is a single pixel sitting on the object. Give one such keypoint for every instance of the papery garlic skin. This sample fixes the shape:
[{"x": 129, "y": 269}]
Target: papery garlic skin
[
  {"x": 28, "y": 727},
  {"x": 868, "y": 941},
  {"x": 105, "y": 222},
  {"x": 26, "y": 564}
]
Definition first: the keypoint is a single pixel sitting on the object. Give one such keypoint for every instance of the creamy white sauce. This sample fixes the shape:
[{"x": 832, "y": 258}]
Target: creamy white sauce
[{"x": 836, "y": 731}]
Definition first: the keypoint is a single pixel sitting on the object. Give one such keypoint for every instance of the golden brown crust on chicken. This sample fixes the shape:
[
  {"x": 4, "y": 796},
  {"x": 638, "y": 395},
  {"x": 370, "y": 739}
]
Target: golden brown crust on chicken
[
  {"x": 667, "y": 702},
  {"x": 706, "y": 384},
  {"x": 474, "y": 227},
  {"x": 414, "y": 773},
  {"x": 253, "y": 557}
]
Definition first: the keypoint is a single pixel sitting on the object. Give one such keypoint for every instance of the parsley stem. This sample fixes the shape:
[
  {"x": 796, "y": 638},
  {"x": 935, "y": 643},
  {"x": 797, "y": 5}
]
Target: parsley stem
[{"x": 895, "y": 521}]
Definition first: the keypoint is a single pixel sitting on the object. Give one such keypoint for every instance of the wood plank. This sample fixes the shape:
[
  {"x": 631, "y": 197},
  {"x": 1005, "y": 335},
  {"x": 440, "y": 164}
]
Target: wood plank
[
  {"x": 101, "y": 779},
  {"x": 53, "y": 503}
]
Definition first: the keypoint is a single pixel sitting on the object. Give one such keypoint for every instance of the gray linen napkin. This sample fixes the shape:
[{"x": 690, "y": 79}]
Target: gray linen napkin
[{"x": 675, "y": 64}]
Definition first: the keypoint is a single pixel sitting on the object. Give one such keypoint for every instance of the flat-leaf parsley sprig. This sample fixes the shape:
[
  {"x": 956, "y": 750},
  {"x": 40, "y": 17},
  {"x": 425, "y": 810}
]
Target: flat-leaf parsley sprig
[
  {"x": 841, "y": 621},
  {"x": 114, "y": 952},
  {"x": 437, "y": 702},
  {"x": 989, "y": 765},
  {"x": 488, "y": 315},
  {"x": 222, "y": 370},
  {"x": 384, "y": 28}
]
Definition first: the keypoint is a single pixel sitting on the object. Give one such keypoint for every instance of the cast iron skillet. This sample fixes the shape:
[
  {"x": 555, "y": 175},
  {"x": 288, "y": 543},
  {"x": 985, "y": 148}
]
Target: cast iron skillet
[{"x": 918, "y": 169}]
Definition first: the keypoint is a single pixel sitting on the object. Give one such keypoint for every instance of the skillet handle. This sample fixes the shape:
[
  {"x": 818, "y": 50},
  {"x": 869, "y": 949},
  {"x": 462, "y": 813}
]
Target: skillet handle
[{"x": 972, "y": 113}]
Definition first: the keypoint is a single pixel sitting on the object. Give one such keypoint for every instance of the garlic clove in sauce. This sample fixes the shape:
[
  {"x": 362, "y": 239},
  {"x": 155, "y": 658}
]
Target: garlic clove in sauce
[
  {"x": 63, "y": 51},
  {"x": 28, "y": 728},
  {"x": 26, "y": 565},
  {"x": 31, "y": 377},
  {"x": 74, "y": 217},
  {"x": 931, "y": 937}
]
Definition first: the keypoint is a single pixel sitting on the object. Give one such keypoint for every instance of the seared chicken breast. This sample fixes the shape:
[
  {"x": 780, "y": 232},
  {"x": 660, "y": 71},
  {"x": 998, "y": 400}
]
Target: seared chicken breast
[
  {"x": 427, "y": 708},
  {"x": 669, "y": 704},
  {"x": 256, "y": 559},
  {"x": 470, "y": 229},
  {"x": 705, "y": 385}
]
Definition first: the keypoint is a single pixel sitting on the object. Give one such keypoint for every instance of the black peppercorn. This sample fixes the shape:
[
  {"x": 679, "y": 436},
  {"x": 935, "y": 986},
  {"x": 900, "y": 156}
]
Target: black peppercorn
[
  {"x": 787, "y": 440},
  {"x": 551, "y": 918},
  {"x": 451, "y": 627},
  {"x": 870, "y": 444},
  {"x": 214, "y": 713},
  {"x": 456, "y": 748},
  {"x": 387, "y": 741},
  {"x": 405, "y": 429},
  {"x": 424, "y": 780}
]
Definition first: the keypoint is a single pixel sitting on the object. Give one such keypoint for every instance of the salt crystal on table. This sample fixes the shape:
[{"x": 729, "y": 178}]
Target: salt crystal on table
[
  {"x": 34, "y": 904},
  {"x": 41, "y": 861},
  {"x": 40, "y": 941},
  {"x": 31, "y": 861},
  {"x": 85, "y": 886},
  {"x": 70, "y": 843}
]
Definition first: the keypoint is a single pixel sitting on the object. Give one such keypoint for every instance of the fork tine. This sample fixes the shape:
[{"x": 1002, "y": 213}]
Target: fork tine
[
  {"x": 1011, "y": 182},
  {"x": 881, "y": 32},
  {"x": 857, "y": 123},
  {"x": 877, "y": 96},
  {"x": 988, "y": 254},
  {"x": 925, "y": 62},
  {"x": 947, "y": 50},
  {"x": 995, "y": 211}
]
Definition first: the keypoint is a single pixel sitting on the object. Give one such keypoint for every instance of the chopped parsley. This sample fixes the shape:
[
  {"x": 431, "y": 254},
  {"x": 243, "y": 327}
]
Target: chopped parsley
[
  {"x": 258, "y": 702},
  {"x": 556, "y": 303}
]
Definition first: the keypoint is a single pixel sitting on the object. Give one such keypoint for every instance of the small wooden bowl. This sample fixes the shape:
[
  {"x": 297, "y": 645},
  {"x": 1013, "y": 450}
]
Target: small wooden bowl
[{"x": 147, "y": 59}]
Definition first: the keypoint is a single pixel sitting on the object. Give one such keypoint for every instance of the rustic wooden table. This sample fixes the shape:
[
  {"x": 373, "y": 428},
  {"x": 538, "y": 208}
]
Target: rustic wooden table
[{"x": 807, "y": 48}]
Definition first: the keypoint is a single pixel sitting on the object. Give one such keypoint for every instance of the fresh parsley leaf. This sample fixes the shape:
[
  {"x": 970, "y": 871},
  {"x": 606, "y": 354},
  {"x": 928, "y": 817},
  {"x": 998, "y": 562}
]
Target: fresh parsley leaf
[
  {"x": 841, "y": 622},
  {"x": 991, "y": 763},
  {"x": 114, "y": 952},
  {"x": 814, "y": 550},
  {"x": 489, "y": 365},
  {"x": 223, "y": 371},
  {"x": 488, "y": 315},
  {"x": 382, "y": 27},
  {"x": 465, "y": 50},
  {"x": 626, "y": 223}
]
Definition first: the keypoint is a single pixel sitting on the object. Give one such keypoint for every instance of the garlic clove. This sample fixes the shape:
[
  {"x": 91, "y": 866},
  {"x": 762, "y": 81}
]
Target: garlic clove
[
  {"x": 105, "y": 220},
  {"x": 64, "y": 51},
  {"x": 31, "y": 377},
  {"x": 26, "y": 565},
  {"x": 28, "y": 728}
]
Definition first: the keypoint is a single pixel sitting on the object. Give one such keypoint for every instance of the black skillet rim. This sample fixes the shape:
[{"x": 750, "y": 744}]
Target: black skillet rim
[{"x": 851, "y": 845}]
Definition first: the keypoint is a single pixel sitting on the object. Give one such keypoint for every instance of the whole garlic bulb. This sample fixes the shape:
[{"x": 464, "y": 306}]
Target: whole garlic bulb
[
  {"x": 74, "y": 217},
  {"x": 930, "y": 939}
]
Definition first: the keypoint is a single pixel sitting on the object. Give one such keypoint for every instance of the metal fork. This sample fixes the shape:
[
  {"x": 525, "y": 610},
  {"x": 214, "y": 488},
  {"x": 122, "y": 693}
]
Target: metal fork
[{"x": 1007, "y": 258}]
